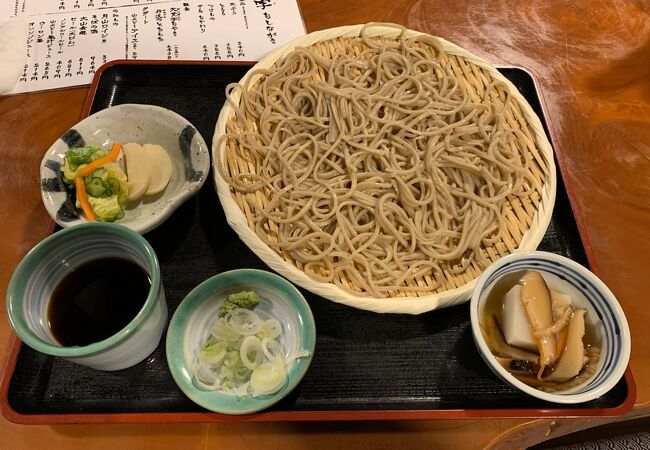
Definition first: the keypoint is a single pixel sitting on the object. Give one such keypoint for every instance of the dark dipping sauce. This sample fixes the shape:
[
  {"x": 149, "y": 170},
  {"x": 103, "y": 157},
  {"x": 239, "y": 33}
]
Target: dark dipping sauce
[{"x": 97, "y": 300}]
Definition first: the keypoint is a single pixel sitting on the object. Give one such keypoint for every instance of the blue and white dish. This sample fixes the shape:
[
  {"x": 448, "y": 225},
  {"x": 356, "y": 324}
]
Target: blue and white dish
[
  {"x": 126, "y": 123},
  {"x": 604, "y": 316},
  {"x": 191, "y": 323}
]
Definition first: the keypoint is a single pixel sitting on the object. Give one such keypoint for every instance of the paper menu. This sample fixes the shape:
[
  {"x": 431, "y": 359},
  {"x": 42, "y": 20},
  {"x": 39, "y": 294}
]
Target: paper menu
[{"x": 67, "y": 40}]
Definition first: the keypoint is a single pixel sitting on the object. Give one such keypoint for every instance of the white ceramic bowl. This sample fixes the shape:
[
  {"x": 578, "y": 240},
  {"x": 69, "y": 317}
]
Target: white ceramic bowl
[
  {"x": 604, "y": 315},
  {"x": 191, "y": 323},
  {"x": 40, "y": 271},
  {"x": 143, "y": 124}
]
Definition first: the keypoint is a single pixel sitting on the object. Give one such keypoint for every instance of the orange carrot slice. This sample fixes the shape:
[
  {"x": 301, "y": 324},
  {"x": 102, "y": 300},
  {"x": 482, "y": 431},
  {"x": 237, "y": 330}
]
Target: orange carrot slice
[
  {"x": 83, "y": 198},
  {"x": 90, "y": 168}
]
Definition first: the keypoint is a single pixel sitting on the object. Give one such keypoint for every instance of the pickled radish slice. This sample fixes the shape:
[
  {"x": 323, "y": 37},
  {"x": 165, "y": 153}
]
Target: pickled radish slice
[
  {"x": 137, "y": 170},
  {"x": 161, "y": 168}
]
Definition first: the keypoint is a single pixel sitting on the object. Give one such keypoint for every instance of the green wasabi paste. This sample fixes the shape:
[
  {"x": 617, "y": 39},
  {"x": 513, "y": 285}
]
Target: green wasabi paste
[{"x": 243, "y": 299}]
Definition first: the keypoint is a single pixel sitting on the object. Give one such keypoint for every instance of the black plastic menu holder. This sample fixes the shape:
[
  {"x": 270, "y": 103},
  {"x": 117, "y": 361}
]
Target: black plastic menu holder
[{"x": 404, "y": 366}]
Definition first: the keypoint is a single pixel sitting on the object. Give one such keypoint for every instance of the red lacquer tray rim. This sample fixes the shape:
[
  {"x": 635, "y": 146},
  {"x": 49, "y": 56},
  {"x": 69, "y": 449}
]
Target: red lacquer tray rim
[{"x": 312, "y": 416}]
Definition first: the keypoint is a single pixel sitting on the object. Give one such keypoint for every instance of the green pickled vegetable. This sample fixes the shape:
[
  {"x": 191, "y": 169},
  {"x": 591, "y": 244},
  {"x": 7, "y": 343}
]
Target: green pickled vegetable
[
  {"x": 95, "y": 187},
  {"x": 82, "y": 155},
  {"x": 107, "y": 187},
  {"x": 117, "y": 181},
  {"x": 68, "y": 173},
  {"x": 107, "y": 209}
]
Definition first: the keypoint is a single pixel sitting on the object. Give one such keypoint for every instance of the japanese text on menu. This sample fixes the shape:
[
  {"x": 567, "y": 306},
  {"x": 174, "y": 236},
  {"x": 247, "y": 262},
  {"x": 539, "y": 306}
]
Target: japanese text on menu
[{"x": 68, "y": 40}]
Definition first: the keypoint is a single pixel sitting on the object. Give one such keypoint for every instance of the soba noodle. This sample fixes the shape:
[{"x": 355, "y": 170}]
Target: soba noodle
[{"x": 378, "y": 166}]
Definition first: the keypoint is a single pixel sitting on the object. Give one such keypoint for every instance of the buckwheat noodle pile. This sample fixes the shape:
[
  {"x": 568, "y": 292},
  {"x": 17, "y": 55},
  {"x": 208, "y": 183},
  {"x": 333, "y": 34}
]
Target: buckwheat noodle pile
[{"x": 376, "y": 166}]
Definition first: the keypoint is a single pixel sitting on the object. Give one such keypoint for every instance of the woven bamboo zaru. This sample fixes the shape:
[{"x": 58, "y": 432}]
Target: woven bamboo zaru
[{"x": 526, "y": 218}]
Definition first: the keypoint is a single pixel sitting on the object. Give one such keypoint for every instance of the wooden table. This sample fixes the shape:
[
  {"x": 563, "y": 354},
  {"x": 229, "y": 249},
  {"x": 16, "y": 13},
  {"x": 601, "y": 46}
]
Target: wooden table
[{"x": 592, "y": 62}]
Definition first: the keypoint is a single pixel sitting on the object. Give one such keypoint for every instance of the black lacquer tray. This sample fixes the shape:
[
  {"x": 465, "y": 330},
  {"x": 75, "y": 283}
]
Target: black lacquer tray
[{"x": 366, "y": 365}]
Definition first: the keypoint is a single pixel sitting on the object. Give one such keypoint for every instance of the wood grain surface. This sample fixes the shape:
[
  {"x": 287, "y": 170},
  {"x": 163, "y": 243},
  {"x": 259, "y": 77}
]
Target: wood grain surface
[{"x": 592, "y": 61}]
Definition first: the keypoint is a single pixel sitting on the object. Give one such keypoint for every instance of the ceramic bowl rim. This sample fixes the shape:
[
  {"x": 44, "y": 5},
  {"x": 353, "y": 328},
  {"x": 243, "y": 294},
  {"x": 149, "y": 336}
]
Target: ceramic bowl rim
[
  {"x": 619, "y": 318},
  {"x": 21, "y": 274}
]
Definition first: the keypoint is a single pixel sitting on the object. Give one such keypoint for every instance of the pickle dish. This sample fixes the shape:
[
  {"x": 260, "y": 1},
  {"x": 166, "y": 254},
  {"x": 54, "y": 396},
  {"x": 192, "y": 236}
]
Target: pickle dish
[{"x": 174, "y": 178}]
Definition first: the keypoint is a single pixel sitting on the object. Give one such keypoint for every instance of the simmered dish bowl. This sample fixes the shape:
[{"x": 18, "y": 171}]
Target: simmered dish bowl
[
  {"x": 549, "y": 327},
  {"x": 381, "y": 167}
]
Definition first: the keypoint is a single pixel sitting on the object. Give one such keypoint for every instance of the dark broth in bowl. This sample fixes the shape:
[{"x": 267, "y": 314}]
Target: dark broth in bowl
[{"x": 96, "y": 300}]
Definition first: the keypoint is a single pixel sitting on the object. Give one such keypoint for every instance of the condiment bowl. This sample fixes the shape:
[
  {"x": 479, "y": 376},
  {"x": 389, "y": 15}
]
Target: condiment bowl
[
  {"x": 191, "y": 323},
  {"x": 142, "y": 124},
  {"x": 39, "y": 273},
  {"x": 604, "y": 317}
]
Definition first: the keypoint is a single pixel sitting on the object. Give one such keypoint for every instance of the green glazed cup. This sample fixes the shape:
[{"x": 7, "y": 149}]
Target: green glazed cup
[{"x": 37, "y": 275}]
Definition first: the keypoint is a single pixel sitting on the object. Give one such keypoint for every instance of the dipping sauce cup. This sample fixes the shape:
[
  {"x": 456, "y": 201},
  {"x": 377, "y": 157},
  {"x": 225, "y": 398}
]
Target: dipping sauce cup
[{"x": 42, "y": 270}]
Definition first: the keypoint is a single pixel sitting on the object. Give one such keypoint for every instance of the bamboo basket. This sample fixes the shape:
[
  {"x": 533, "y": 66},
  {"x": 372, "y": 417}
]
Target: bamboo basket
[{"x": 526, "y": 219}]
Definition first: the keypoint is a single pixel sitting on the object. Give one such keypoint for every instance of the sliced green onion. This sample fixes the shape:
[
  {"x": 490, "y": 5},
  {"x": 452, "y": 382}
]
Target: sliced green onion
[
  {"x": 213, "y": 352},
  {"x": 206, "y": 375},
  {"x": 243, "y": 356},
  {"x": 272, "y": 350},
  {"x": 251, "y": 352},
  {"x": 232, "y": 359},
  {"x": 270, "y": 328},
  {"x": 221, "y": 330},
  {"x": 268, "y": 378},
  {"x": 243, "y": 321},
  {"x": 242, "y": 373}
]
